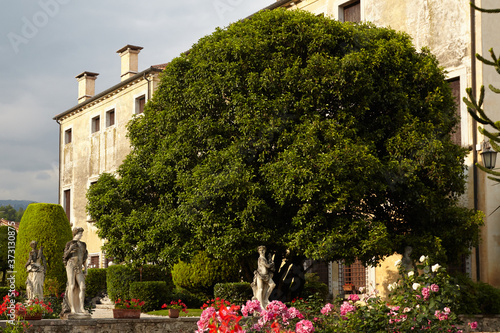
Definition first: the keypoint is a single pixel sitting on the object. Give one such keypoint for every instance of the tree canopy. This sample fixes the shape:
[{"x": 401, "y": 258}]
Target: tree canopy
[{"x": 316, "y": 138}]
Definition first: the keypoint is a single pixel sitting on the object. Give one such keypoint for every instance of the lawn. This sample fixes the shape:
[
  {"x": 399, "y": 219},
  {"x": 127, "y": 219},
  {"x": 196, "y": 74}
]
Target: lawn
[{"x": 191, "y": 313}]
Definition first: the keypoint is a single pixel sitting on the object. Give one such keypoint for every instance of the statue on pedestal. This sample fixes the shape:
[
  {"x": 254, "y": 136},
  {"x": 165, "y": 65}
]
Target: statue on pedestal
[
  {"x": 263, "y": 283},
  {"x": 36, "y": 267},
  {"x": 75, "y": 259}
]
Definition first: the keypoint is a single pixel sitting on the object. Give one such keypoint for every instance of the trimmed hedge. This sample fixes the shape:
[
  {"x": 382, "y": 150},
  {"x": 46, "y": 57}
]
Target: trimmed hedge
[
  {"x": 203, "y": 273},
  {"x": 48, "y": 225},
  {"x": 119, "y": 278},
  {"x": 153, "y": 293},
  {"x": 191, "y": 299},
  {"x": 234, "y": 292},
  {"x": 95, "y": 282},
  {"x": 6, "y": 236},
  {"x": 3, "y": 291}
]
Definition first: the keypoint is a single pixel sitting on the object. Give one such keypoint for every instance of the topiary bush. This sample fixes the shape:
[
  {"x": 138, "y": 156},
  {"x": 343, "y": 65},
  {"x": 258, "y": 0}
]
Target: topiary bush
[
  {"x": 153, "y": 293},
  {"x": 193, "y": 300},
  {"x": 48, "y": 225},
  {"x": 234, "y": 292},
  {"x": 119, "y": 278},
  {"x": 95, "y": 282},
  {"x": 314, "y": 286},
  {"x": 203, "y": 272}
]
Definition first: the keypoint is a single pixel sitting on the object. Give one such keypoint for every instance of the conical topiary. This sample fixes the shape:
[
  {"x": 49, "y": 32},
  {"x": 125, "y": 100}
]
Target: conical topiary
[{"x": 48, "y": 225}]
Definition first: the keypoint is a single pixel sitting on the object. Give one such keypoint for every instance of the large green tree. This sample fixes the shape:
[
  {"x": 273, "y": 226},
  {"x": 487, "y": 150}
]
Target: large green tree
[{"x": 316, "y": 138}]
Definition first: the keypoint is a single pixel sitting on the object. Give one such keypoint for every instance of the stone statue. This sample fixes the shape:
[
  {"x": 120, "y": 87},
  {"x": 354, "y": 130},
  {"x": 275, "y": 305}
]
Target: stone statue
[
  {"x": 406, "y": 261},
  {"x": 263, "y": 283},
  {"x": 75, "y": 260},
  {"x": 36, "y": 267}
]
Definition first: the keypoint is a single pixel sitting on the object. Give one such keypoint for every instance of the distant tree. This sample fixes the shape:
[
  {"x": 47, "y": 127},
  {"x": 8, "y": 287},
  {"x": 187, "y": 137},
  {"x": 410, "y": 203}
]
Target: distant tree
[
  {"x": 315, "y": 138},
  {"x": 8, "y": 212},
  {"x": 48, "y": 225}
]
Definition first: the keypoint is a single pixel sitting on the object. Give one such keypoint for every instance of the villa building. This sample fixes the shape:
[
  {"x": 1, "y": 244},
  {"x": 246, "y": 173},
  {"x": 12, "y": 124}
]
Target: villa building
[{"x": 93, "y": 138}]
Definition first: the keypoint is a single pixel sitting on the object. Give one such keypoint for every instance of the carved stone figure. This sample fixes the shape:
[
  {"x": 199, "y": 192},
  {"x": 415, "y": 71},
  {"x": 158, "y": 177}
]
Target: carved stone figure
[
  {"x": 263, "y": 283},
  {"x": 36, "y": 267},
  {"x": 406, "y": 261},
  {"x": 75, "y": 259}
]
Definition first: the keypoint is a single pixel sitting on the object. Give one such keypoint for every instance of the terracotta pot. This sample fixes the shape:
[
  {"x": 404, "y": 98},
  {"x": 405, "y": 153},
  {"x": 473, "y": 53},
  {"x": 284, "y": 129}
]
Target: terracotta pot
[
  {"x": 173, "y": 313},
  {"x": 126, "y": 313},
  {"x": 23, "y": 315},
  {"x": 348, "y": 287}
]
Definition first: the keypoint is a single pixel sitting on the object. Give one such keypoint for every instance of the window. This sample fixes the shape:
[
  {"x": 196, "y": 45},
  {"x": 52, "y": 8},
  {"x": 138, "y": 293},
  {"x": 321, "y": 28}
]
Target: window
[
  {"x": 456, "y": 136},
  {"x": 67, "y": 203},
  {"x": 94, "y": 261},
  {"x": 139, "y": 104},
  {"x": 68, "y": 136},
  {"x": 96, "y": 121},
  {"x": 110, "y": 118},
  {"x": 352, "y": 12},
  {"x": 355, "y": 275}
]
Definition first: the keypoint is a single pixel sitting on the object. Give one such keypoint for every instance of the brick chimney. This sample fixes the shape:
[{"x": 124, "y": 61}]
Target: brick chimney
[
  {"x": 86, "y": 85},
  {"x": 130, "y": 60}
]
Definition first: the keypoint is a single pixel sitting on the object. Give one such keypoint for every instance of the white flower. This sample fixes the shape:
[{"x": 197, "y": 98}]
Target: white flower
[
  {"x": 417, "y": 306},
  {"x": 406, "y": 310},
  {"x": 410, "y": 273},
  {"x": 415, "y": 286},
  {"x": 390, "y": 287},
  {"x": 435, "y": 268},
  {"x": 423, "y": 258},
  {"x": 361, "y": 289},
  {"x": 397, "y": 263}
]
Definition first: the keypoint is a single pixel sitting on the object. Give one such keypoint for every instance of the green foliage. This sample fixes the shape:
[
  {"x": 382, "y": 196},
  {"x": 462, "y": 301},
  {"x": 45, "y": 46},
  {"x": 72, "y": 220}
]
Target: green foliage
[
  {"x": 8, "y": 236},
  {"x": 3, "y": 291},
  {"x": 203, "y": 273},
  {"x": 95, "y": 282},
  {"x": 234, "y": 292},
  {"x": 191, "y": 299},
  {"x": 120, "y": 277},
  {"x": 314, "y": 286},
  {"x": 48, "y": 225},
  {"x": 153, "y": 293},
  {"x": 477, "y": 297},
  {"x": 298, "y": 132}
]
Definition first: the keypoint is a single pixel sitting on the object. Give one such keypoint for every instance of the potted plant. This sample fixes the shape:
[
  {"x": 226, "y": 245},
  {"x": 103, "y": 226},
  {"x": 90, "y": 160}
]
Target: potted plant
[
  {"x": 127, "y": 308},
  {"x": 174, "y": 308},
  {"x": 32, "y": 310},
  {"x": 348, "y": 287}
]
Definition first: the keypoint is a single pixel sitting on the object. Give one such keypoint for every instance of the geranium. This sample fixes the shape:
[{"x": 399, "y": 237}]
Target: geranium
[
  {"x": 346, "y": 307},
  {"x": 434, "y": 288},
  {"x": 129, "y": 304},
  {"x": 304, "y": 326},
  {"x": 327, "y": 309},
  {"x": 473, "y": 325},
  {"x": 179, "y": 305},
  {"x": 33, "y": 307},
  {"x": 251, "y": 307},
  {"x": 353, "y": 297},
  {"x": 222, "y": 320}
]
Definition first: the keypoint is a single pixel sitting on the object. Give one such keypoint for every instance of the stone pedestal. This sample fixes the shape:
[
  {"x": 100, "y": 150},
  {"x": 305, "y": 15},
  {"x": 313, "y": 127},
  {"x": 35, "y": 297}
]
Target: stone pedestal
[{"x": 76, "y": 316}]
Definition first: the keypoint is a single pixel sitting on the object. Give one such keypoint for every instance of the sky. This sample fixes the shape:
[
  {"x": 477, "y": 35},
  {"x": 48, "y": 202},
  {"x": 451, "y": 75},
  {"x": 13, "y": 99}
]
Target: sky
[{"x": 44, "y": 44}]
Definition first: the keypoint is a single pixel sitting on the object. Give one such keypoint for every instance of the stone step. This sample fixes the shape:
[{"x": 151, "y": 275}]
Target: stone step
[{"x": 104, "y": 306}]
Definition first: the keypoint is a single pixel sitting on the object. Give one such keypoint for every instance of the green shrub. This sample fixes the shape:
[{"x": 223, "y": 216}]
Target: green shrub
[
  {"x": 119, "y": 278},
  {"x": 48, "y": 225},
  {"x": 153, "y": 293},
  {"x": 95, "y": 282},
  {"x": 234, "y": 292},
  {"x": 3, "y": 291},
  {"x": 203, "y": 272},
  {"x": 191, "y": 299},
  {"x": 488, "y": 298},
  {"x": 314, "y": 286},
  {"x": 7, "y": 234}
]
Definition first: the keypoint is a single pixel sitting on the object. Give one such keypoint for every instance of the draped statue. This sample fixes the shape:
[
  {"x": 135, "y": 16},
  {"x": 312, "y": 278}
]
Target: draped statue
[
  {"x": 263, "y": 283},
  {"x": 36, "y": 268}
]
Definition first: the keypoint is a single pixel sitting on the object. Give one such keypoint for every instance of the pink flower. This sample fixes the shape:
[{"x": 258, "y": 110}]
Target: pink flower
[
  {"x": 250, "y": 307},
  {"x": 346, "y": 307},
  {"x": 434, "y": 287},
  {"x": 304, "y": 326},
  {"x": 425, "y": 293},
  {"x": 327, "y": 309},
  {"x": 353, "y": 297},
  {"x": 447, "y": 310},
  {"x": 473, "y": 325},
  {"x": 294, "y": 313}
]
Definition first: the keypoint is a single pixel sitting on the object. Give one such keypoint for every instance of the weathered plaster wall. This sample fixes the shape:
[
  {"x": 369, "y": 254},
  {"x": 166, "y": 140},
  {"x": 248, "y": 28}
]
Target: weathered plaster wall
[{"x": 90, "y": 154}]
